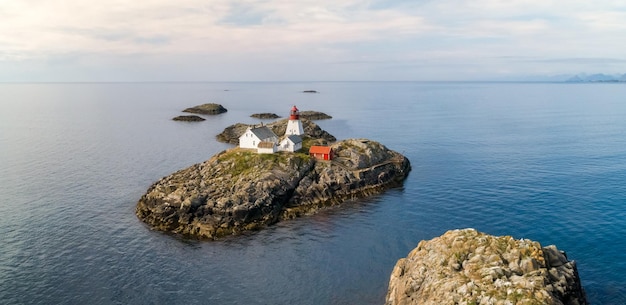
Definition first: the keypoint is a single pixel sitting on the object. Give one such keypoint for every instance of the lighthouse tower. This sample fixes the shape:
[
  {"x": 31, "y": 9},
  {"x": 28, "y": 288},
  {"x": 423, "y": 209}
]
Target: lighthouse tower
[{"x": 294, "y": 126}]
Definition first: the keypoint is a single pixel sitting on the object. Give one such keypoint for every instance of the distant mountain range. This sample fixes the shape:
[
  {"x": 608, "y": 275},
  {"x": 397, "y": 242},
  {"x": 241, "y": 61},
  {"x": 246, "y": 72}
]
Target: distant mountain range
[{"x": 597, "y": 78}]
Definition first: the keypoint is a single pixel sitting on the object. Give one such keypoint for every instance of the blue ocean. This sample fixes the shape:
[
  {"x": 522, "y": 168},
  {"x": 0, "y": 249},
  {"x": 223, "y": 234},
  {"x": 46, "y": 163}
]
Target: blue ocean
[{"x": 543, "y": 161}]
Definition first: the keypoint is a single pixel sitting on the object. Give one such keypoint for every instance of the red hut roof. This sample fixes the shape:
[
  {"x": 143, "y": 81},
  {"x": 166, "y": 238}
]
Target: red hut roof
[{"x": 319, "y": 150}]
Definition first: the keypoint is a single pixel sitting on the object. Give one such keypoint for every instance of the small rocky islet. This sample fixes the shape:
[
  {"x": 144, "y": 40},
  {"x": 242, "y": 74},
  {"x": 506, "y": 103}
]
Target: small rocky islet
[
  {"x": 208, "y": 109},
  {"x": 188, "y": 118},
  {"x": 314, "y": 115},
  {"x": 265, "y": 116}
]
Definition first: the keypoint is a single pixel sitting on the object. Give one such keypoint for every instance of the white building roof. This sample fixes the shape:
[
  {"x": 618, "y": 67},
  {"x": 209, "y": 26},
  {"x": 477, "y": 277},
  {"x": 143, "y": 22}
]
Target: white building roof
[
  {"x": 295, "y": 139},
  {"x": 263, "y": 132}
]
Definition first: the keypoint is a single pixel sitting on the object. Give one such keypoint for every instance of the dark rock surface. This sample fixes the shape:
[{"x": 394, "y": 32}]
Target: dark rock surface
[
  {"x": 238, "y": 190},
  {"x": 265, "y": 115},
  {"x": 210, "y": 108},
  {"x": 469, "y": 267},
  {"x": 232, "y": 133},
  {"x": 310, "y": 91},
  {"x": 189, "y": 118},
  {"x": 314, "y": 115}
]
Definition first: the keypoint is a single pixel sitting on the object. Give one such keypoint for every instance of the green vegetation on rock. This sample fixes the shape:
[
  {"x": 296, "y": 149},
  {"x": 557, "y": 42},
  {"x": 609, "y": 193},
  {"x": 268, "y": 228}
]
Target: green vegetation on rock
[{"x": 243, "y": 161}]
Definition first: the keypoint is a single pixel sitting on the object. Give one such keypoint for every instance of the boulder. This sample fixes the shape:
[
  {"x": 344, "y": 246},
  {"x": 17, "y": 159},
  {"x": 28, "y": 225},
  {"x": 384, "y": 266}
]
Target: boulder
[
  {"x": 239, "y": 190},
  {"x": 469, "y": 267}
]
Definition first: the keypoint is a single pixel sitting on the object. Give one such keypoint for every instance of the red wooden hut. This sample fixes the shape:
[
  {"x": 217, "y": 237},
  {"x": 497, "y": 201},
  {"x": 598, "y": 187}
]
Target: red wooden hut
[{"x": 321, "y": 152}]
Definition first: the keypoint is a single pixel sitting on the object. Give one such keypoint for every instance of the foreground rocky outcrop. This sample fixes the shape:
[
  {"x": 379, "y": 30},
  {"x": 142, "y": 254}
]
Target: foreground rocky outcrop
[
  {"x": 231, "y": 133},
  {"x": 209, "y": 108},
  {"x": 468, "y": 267},
  {"x": 239, "y": 190}
]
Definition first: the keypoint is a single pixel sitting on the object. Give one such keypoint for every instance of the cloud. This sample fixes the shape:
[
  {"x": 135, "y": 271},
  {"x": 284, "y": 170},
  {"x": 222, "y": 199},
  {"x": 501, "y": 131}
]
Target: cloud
[
  {"x": 364, "y": 33},
  {"x": 191, "y": 26}
]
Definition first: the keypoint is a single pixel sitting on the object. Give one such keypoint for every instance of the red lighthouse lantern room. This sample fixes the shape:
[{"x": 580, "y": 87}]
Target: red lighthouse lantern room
[{"x": 295, "y": 113}]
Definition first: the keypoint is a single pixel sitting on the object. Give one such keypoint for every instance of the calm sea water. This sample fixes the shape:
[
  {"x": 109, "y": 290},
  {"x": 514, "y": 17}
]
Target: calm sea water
[{"x": 541, "y": 161}]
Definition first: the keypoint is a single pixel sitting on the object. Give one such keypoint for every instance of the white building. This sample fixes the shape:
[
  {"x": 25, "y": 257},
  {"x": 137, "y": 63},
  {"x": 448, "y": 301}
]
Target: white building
[
  {"x": 265, "y": 141},
  {"x": 253, "y": 136},
  {"x": 294, "y": 125},
  {"x": 290, "y": 143}
]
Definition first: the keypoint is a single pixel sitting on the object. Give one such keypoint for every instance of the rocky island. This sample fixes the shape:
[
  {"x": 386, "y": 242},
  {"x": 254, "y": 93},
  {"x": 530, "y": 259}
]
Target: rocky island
[
  {"x": 268, "y": 178},
  {"x": 239, "y": 190},
  {"x": 314, "y": 115},
  {"x": 469, "y": 267},
  {"x": 265, "y": 115},
  {"x": 189, "y": 118},
  {"x": 209, "y": 108}
]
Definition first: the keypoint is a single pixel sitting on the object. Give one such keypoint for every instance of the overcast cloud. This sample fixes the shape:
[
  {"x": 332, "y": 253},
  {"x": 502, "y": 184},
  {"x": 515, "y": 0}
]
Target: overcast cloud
[{"x": 220, "y": 40}]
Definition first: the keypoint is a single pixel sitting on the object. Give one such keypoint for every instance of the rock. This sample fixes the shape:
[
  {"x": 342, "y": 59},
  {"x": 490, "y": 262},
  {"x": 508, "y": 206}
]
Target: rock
[
  {"x": 239, "y": 190},
  {"x": 314, "y": 115},
  {"x": 309, "y": 115},
  {"x": 469, "y": 267},
  {"x": 210, "y": 108},
  {"x": 232, "y": 133},
  {"x": 309, "y": 91},
  {"x": 188, "y": 118},
  {"x": 265, "y": 115}
]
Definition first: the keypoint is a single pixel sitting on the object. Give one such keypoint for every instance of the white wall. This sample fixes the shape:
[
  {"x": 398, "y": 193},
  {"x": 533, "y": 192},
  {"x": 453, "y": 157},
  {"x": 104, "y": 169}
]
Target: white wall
[
  {"x": 294, "y": 127},
  {"x": 248, "y": 140}
]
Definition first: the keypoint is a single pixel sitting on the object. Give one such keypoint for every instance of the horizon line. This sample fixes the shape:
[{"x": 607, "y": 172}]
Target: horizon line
[{"x": 287, "y": 81}]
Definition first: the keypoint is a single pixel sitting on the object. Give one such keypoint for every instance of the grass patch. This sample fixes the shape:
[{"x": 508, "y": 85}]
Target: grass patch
[
  {"x": 307, "y": 142},
  {"x": 240, "y": 162}
]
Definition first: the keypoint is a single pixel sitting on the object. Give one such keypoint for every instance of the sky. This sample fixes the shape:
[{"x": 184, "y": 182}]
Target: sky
[{"x": 308, "y": 40}]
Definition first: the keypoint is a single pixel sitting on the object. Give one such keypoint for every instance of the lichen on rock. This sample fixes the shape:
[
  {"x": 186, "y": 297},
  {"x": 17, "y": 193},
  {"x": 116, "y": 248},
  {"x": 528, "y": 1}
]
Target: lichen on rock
[{"x": 468, "y": 267}]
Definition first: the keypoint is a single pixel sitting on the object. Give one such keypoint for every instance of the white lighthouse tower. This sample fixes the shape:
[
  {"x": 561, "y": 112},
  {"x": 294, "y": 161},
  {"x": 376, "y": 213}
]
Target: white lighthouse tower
[{"x": 294, "y": 126}]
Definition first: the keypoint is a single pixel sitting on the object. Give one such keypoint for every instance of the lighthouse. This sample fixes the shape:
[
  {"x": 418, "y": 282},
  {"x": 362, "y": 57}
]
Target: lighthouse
[{"x": 294, "y": 126}]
